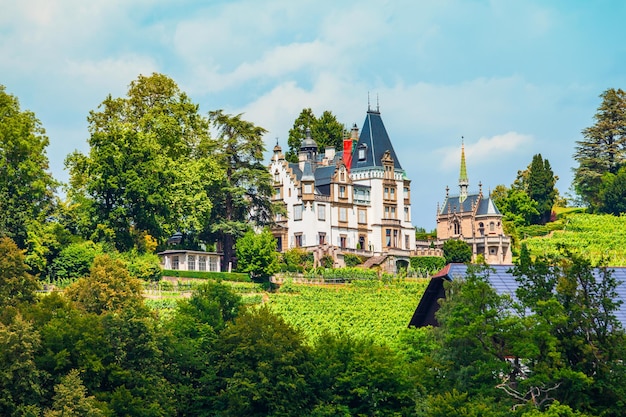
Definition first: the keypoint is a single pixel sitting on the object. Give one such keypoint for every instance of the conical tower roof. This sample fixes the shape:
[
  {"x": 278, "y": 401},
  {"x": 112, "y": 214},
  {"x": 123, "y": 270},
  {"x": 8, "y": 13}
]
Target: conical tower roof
[{"x": 376, "y": 141}]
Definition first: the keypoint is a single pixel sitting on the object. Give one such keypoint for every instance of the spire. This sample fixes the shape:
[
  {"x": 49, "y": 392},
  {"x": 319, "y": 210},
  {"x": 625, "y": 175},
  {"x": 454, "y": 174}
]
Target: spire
[{"x": 463, "y": 179}]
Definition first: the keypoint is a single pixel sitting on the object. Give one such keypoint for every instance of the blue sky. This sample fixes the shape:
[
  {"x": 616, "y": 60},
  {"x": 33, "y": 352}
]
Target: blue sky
[{"x": 514, "y": 78}]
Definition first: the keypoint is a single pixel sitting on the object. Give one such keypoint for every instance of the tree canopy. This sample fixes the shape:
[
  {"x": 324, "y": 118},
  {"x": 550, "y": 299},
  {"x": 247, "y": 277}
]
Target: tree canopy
[
  {"x": 243, "y": 196},
  {"x": 26, "y": 187},
  {"x": 602, "y": 149},
  {"x": 149, "y": 168},
  {"x": 456, "y": 251},
  {"x": 326, "y": 131}
]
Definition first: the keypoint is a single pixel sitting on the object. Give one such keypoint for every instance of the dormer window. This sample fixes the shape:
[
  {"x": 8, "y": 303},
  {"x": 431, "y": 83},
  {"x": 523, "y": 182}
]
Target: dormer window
[{"x": 362, "y": 150}]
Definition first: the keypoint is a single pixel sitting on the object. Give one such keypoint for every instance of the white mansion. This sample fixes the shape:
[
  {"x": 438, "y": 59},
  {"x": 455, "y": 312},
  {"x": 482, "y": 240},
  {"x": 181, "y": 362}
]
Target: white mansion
[{"x": 353, "y": 200}]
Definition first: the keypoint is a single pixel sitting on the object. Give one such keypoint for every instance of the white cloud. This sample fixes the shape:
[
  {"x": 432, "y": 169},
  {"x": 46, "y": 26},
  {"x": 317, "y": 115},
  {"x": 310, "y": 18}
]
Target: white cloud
[{"x": 486, "y": 150}]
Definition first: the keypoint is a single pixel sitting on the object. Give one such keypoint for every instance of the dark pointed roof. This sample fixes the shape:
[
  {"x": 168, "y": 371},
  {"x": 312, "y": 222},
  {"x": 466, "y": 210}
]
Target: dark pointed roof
[
  {"x": 374, "y": 136},
  {"x": 455, "y": 204}
]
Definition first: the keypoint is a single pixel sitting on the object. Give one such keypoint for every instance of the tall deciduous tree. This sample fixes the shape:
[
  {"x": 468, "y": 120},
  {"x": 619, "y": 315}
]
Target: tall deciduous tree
[
  {"x": 603, "y": 147},
  {"x": 16, "y": 284},
  {"x": 149, "y": 167},
  {"x": 256, "y": 254},
  {"x": 243, "y": 198},
  {"x": 26, "y": 186}
]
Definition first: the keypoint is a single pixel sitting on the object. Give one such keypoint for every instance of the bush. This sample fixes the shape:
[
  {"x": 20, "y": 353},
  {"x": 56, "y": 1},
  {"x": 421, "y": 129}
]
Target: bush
[
  {"x": 431, "y": 264},
  {"x": 296, "y": 260},
  {"x": 74, "y": 261},
  {"x": 218, "y": 276},
  {"x": 352, "y": 260},
  {"x": 145, "y": 267}
]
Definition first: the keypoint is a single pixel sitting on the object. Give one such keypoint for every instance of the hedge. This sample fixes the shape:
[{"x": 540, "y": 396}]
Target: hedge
[
  {"x": 430, "y": 263},
  {"x": 224, "y": 276}
]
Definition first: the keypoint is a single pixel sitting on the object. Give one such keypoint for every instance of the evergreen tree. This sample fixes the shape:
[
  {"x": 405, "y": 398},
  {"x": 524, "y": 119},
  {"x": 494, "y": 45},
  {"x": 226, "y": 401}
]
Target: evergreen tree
[
  {"x": 243, "y": 198},
  {"x": 540, "y": 187},
  {"x": 603, "y": 148}
]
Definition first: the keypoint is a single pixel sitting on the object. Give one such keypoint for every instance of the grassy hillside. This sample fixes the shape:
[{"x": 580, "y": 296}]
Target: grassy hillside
[
  {"x": 370, "y": 308},
  {"x": 593, "y": 235}
]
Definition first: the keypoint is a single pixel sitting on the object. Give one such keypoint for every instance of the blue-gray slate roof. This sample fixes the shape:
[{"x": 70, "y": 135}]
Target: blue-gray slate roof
[
  {"x": 374, "y": 136},
  {"x": 503, "y": 281},
  {"x": 454, "y": 204}
]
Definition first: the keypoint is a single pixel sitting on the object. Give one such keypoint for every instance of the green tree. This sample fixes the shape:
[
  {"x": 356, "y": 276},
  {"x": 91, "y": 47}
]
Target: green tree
[
  {"x": 361, "y": 377},
  {"x": 243, "y": 198},
  {"x": 603, "y": 147},
  {"x": 109, "y": 287},
  {"x": 214, "y": 304},
  {"x": 149, "y": 167},
  {"x": 457, "y": 251},
  {"x": 328, "y": 132},
  {"x": 20, "y": 380},
  {"x": 16, "y": 284},
  {"x": 71, "y": 399},
  {"x": 306, "y": 119},
  {"x": 75, "y": 260},
  {"x": 613, "y": 193},
  {"x": 264, "y": 367},
  {"x": 540, "y": 187},
  {"x": 517, "y": 208},
  {"x": 189, "y": 347},
  {"x": 26, "y": 186},
  {"x": 257, "y": 255},
  {"x": 574, "y": 305}
]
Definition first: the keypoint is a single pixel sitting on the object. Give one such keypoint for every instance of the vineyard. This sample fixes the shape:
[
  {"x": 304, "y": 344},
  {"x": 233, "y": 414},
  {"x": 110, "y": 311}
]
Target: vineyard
[
  {"x": 372, "y": 309},
  {"x": 593, "y": 235}
]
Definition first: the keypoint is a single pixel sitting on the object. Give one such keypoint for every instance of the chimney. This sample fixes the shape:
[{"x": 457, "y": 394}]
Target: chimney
[{"x": 348, "y": 145}]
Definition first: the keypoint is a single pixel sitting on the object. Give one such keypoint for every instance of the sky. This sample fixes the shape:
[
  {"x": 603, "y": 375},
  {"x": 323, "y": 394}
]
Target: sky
[{"x": 508, "y": 78}]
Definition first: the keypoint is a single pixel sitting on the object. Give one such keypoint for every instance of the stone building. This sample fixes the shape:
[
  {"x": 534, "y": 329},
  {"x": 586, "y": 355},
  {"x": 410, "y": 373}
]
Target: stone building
[
  {"x": 475, "y": 219},
  {"x": 353, "y": 200}
]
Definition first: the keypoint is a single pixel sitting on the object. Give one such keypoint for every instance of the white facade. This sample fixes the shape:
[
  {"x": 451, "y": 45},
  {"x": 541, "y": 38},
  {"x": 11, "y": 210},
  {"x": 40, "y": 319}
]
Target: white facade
[
  {"x": 191, "y": 260},
  {"x": 344, "y": 201}
]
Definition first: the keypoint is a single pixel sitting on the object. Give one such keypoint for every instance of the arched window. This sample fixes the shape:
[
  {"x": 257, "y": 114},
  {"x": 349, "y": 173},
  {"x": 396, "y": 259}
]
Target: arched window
[
  {"x": 457, "y": 228},
  {"x": 481, "y": 228},
  {"x": 492, "y": 227}
]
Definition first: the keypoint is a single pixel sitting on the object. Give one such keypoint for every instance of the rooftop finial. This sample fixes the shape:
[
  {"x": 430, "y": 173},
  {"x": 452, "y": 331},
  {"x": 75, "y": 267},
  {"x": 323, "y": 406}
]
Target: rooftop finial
[
  {"x": 377, "y": 104},
  {"x": 368, "y": 102}
]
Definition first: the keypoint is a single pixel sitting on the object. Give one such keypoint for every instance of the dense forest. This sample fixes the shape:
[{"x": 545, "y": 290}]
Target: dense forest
[{"x": 96, "y": 347}]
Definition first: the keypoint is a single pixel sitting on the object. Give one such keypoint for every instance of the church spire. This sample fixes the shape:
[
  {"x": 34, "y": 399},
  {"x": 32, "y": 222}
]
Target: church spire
[{"x": 463, "y": 179}]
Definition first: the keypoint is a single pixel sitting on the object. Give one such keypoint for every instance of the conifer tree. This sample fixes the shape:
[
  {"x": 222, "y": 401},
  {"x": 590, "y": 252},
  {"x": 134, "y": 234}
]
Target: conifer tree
[{"x": 603, "y": 147}]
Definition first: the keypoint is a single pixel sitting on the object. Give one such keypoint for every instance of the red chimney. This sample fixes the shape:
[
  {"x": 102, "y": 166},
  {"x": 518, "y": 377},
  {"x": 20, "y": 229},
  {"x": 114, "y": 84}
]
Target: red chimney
[{"x": 347, "y": 152}]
